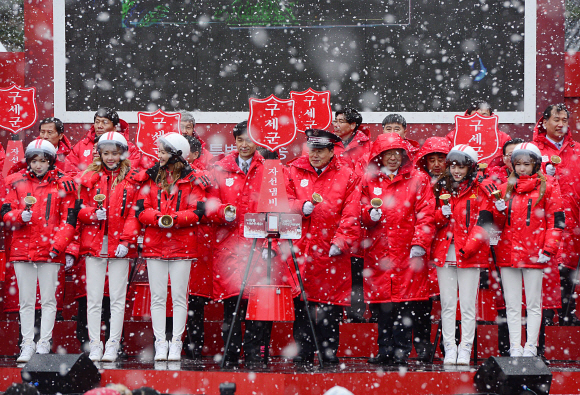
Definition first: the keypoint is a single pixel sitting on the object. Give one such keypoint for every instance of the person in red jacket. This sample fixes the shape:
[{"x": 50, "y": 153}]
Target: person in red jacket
[
  {"x": 236, "y": 183},
  {"x": 108, "y": 238},
  {"x": 533, "y": 219},
  {"x": 105, "y": 120},
  {"x": 552, "y": 136},
  {"x": 169, "y": 205},
  {"x": 396, "y": 123},
  {"x": 461, "y": 247},
  {"x": 397, "y": 208},
  {"x": 328, "y": 231},
  {"x": 499, "y": 174},
  {"x": 432, "y": 156},
  {"x": 41, "y": 229}
]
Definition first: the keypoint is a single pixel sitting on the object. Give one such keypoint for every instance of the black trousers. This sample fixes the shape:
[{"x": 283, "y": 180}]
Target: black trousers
[
  {"x": 567, "y": 282},
  {"x": 356, "y": 311},
  {"x": 326, "y": 319},
  {"x": 193, "y": 343},
  {"x": 395, "y": 335},
  {"x": 82, "y": 330},
  {"x": 422, "y": 328},
  {"x": 256, "y": 335},
  {"x": 503, "y": 334}
]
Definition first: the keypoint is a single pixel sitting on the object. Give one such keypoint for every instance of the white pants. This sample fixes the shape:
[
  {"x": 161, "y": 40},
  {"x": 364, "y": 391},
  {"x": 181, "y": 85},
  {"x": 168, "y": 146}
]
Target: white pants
[
  {"x": 467, "y": 280},
  {"x": 118, "y": 273},
  {"x": 159, "y": 271},
  {"x": 511, "y": 279},
  {"x": 27, "y": 275}
]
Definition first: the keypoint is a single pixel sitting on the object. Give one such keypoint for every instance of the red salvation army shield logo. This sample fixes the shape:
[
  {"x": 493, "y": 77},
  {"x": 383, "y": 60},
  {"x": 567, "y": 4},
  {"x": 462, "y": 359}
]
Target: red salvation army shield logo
[
  {"x": 311, "y": 109},
  {"x": 17, "y": 108},
  {"x": 271, "y": 123},
  {"x": 478, "y": 132},
  {"x": 153, "y": 125}
]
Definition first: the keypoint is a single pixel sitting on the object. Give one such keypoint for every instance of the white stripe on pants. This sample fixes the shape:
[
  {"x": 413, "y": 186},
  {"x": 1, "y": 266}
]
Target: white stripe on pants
[
  {"x": 118, "y": 273},
  {"x": 159, "y": 270},
  {"x": 467, "y": 279},
  {"x": 511, "y": 279},
  {"x": 27, "y": 274}
]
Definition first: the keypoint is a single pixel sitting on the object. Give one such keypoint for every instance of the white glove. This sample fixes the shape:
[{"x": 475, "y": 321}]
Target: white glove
[
  {"x": 334, "y": 251},
  {"x": 27, "y": 216},
  {"x": 446, "y": 210},
  {"x": 52, "y": 255},
  {"x": 101, "y": 214},
  {"x": 417, "y": 251},
  {"x": 265, "y": 254},
  {"x": 543, "y": 258},
  {"x": 500, "y": 205},
  {"x": 230, "y": 216},
  {"x": 70, "y": 261},
  {"x": 121, "y": 251},
  {"x": 308, "y": 208},
  {"x": 550, "y": 169},
  {"x": 376, "y": 214}
]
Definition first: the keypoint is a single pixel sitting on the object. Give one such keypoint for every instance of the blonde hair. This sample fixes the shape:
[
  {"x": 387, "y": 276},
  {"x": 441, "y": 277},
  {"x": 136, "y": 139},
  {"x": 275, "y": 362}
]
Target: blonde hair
[
  {"x": 162, "y": 175},
  {"x": 97, "y": 165},
  {"x": 513, "y": 179}
]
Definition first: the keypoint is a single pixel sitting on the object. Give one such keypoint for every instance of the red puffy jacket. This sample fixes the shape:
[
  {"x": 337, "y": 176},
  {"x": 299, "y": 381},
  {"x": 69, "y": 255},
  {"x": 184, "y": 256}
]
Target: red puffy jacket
[
  {"x": 568, "y": 176},
  {"x": 121, "y": 224},
  {"x": 81, "y": 155},
  {"x": 334, "y": 221},
  {"x": 530, "y": 226},
  {"x": 181, "y": 203},
  {"x": 472, "y": 211},
  {"x": 356, "y": 150},
  {"x": 54, "y": 218},
  {"x": 407, "y": 220}
]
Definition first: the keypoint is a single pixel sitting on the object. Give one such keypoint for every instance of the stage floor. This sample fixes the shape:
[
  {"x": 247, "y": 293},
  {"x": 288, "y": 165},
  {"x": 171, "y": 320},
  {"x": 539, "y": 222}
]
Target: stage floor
[{"x": 283, "y": 377}]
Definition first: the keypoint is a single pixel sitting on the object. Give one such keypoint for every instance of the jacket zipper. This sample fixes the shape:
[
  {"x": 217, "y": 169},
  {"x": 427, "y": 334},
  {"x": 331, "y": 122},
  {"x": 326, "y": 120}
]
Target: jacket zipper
[
  {"x": 48, "y": 200},
  {"x": 159, "y": 200},
  {"x": 467, "y": 213},
  {"x": 529, "y": 212},
  {"x": 178, "y": 201},
  {"x": 124, "y": 202},
  {"x": 509, "y": 215}
]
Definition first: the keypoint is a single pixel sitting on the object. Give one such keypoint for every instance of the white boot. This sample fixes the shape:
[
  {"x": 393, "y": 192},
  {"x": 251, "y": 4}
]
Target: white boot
[
  {"x": 464, "y": 354},
  {"x": 161, "y": 350},
  {"x": 96, "y": 348},
  {"x": 111, "y": 351},
  {"x": 530, "y": 351},
  {"x": 175, "y": 350},
  {"x": 27, "y": 349},
  {"x": 450, "y": 354},
  {"x": 516, "y": 350}
]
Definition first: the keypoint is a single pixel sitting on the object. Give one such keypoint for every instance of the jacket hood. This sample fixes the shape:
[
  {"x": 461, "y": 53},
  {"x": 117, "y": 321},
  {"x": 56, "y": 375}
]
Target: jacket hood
[
  {"x": 432, "y": 145},
  {"x": 385, "y": 142},
  {"x": 540, "y": 135},
  {"x": 64, "y": 146}
]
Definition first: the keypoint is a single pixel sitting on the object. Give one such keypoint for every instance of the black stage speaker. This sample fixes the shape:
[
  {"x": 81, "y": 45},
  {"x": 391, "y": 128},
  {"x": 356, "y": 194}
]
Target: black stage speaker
[
  {"x": 66, "y": 373},
  {"x": 513, "y": 376}
]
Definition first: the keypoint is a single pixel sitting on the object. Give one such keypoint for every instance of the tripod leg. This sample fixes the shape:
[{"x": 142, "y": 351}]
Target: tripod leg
[
  {"x": 239, "y": 301},
  {"x": 303, "y": 293},
  {"x": 436, "y": 343}
]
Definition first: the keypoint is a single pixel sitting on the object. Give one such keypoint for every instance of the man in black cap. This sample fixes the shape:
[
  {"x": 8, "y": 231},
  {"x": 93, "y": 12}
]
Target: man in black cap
[{"x": 329, "y": 227}]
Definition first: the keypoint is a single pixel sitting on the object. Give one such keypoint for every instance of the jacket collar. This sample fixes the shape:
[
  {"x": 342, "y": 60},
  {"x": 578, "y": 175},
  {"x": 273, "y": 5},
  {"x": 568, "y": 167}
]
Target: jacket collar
[{"x": 230, "y": 162}]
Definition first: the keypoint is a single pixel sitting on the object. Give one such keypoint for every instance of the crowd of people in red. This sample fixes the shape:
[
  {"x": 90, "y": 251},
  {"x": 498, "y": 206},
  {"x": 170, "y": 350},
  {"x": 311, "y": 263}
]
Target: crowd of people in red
[{"x": 417, "y": 221}]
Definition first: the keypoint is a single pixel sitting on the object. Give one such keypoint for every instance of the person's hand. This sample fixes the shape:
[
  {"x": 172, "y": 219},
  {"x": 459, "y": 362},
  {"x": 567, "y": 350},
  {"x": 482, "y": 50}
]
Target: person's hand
[
  {"x": 446, "y": 210},
  {"x": 308, "y": 208},
  {"x": 543, "y": 258},
  {"x": 26, "y": 216},
  {"x": 417, "y": 251},
  {"x": 121, "y": 251},
  {"x": 334, "y": 251},
  {"x": 376, "y": 214},
  {"x": 500, "y": 205},
  {"x": 69, "y": 261},
  {"x": 550, "y": 169},
  {"x": 101, "y": 214},
  {"x": 230, "y": 214},
  {"x": 52, "y": 255}
]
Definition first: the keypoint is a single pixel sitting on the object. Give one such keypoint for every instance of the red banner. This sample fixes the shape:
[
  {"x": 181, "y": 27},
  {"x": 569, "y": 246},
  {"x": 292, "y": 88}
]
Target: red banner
[
  {"x": 153, "y": 125},
  {"x": 17, "y": 108},
  {"x": 273, "y": 197},
  {"x": 271, "y": 123},
  {"x": 478, "y": 132},
  {"x": 14, "y": 154},
  {"x": 311, "y": 109}
]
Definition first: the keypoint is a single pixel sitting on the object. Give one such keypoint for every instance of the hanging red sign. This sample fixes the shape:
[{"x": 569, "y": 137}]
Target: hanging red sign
[
  {"x": 271, "y": 123},
  {"x": 478, "y": 132},
  {"x": 17, "y": 108},
  {"x": 273, "y": 197},
  {"x": 153, "y": 125},
  {"x": 311, "y": 109}
]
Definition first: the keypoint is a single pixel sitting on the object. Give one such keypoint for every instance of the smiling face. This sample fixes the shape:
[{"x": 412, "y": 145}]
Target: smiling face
[
  {"x": 39, "y": 165},
  {"x": 458, "y": 172},
  {"x": 246, "y": 147},
  {"x": 320, "y": 157},
  {"x": 111, "y": 155},
  {"x": 557, "y": 125},
  {"x": 392, "y": 159},
  {"x": 164, "y": 156}
]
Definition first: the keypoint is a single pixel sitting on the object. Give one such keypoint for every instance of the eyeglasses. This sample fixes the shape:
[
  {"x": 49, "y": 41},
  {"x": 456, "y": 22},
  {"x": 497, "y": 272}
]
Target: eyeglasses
[{"x": 396, "y": 154}]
